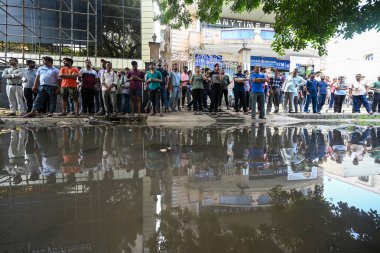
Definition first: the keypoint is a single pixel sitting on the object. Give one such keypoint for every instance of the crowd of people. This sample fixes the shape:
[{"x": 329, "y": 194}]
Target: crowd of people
[
  {"x": 204, "y": 154},
  {"x": 107, "y": 92}
]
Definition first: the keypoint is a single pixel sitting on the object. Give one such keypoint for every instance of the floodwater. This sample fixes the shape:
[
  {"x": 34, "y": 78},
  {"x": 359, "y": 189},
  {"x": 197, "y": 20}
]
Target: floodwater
[{"x": 215, "y": 189}]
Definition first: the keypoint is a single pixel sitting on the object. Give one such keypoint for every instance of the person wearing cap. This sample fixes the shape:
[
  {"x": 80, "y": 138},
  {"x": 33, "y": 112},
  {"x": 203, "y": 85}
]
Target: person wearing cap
[
  {"x": 358, "y": 91},
  {"x": 46, "y": 84},
  {"x": 14, "y": 76},
  {"x": 154, "y": 79},
  {"x": 135, "y": 77},
  {"x": 311, "y": 88},
  {"x": 69, "y": 86},
  {"x": 27, "y": 85}
]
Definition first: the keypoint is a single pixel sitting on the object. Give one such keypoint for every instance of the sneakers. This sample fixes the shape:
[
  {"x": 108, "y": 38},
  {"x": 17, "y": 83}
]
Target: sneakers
[
  {"x": 30, "y": 115},
  {"x": 62, "y": 114},
  {"x": 152, "y": 114},
  {"x": 11, "y": 114}
]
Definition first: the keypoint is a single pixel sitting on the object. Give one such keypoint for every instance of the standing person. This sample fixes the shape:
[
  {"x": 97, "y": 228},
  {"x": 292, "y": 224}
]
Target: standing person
[
  {"x": 225, "y": 82},
  {"x": 135, "y": 77},
  {"x": 239, "y": 91},
  {"x": 247, "y": 89},
  {"x": 358, "y": 91},
  {"x": 196, "y": 82},
  {"x": 322, "y": 93},
  {"x": 98, "y": 91},
  {"x": 163, "y": 85},
  {"x": 89, "y": 80},
  {"x": 119, "y": 90},
  {"x": 184, "y": 81},
  {"x": 125, "y": 97},
  {"x": 275, "y": 86},
  {"x": 27, "y": 85},
  {"x": 14, "y": 76},
  {"x": 154, "y": 79},
  {"x": 189, "y": 91},
  {"x": 206, "y": 88},
  {"x": 108, "y": 81},
  {"x": 47, "y": 83},
  {"x": 69, "y": 85},
  {"x": 376, "y": 89},
  {"x": 332, "y": 90},
  {"x": 257, "y": 92},
  {"x": 175, "y": 80},
  {"x": 216, "y": 87},
  {"x": 290, "y": 87},
  {"x": 311, "y": 93},
  {"x": 340, "y": 92}
]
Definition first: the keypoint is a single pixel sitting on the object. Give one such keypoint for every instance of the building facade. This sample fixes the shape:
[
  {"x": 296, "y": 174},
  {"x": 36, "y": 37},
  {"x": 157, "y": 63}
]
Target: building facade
[{"x": 118, "y": 30}]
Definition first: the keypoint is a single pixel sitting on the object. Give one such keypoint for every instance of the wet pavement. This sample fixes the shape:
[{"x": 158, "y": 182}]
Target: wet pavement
[{"x": 99, "y": 189}]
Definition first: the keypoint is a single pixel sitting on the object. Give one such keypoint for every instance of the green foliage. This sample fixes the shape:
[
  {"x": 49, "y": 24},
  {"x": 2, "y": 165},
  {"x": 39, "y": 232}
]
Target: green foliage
[
  {"x": 298, "y": 24},
  {"x": 299, "y": 223}
]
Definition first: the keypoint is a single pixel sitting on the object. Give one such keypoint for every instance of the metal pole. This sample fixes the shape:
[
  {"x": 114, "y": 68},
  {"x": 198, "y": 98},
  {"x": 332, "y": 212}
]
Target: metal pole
[
  {"x": 60, "y": 32},
  {"x": 96, "y": 30},
  {"x": 88, "y": 27},
  {"x": 6, "y": 31},
  {"x": 23, "y": 32},
  {"x": 72, "y": 29}
]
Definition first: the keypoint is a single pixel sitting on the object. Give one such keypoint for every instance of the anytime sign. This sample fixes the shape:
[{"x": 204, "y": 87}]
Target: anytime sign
[{"x": 230, "y": 22}]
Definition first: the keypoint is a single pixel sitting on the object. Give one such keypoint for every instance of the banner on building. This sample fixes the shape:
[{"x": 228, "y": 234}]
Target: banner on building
[
  {"x": 206, "y": 60},
  {"x": 270, "y": 62}
]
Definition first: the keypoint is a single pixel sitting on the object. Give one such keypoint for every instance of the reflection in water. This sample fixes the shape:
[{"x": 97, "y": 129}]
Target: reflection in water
[
  {"x": 96, "y": 189},
  {"x": 298, "y": 223}
]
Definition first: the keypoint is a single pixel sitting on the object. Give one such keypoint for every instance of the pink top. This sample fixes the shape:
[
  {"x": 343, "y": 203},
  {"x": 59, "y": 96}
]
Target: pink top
[{"x": 184, "y": 77}]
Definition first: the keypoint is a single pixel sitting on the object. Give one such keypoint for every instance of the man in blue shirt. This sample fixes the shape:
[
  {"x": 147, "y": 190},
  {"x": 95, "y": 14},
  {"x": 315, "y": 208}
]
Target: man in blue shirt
[
  {"x": 257, "y": 92},
  {"x": 322, "y": 92},
  {"x": 46, "y": 84},
  {"x": 311, "y": 93}
]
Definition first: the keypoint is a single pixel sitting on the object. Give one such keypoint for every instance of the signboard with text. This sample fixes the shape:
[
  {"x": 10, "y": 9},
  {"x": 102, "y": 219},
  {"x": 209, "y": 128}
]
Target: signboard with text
[
  {"x": 240, "y": 23},
  {"x": 270, "y": 62}
]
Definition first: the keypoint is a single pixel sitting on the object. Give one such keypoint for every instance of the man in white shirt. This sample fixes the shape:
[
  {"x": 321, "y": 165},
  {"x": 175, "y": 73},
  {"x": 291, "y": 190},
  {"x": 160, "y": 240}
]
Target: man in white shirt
[
  {"x": 14, "y": 76},
  {"x": 290, "y": 87},
  {"x": 358, "y": 92},
  {"x": 109, "y": 81}
]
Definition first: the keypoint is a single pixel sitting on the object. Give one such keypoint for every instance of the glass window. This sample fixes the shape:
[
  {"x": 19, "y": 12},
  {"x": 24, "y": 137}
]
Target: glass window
[
  {"x": 267, "y": 35},
  {"x": 237, "y": 34},
  {"x": 369, "y": 57}
]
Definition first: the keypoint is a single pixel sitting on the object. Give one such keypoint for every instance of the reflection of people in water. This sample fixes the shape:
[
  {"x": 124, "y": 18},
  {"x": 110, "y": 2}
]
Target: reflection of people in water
[
  {"x": 337, "y": 147},
  {"x": 16, "y": 153},
  {"x": 257, "y": 149},
  {"x": 375, "y": 150},
  {"x": 274, "y": 145},
  {"x": 91, "y": 144},
  {"x": 290, "y": 151},
  {"x": 32, "y": 154},
  {"x": 109, "y": 161},
  {"x": 47, "y": 140},
  {"x": 70, "y": 154},
  {"x": 357, "y": 145}
]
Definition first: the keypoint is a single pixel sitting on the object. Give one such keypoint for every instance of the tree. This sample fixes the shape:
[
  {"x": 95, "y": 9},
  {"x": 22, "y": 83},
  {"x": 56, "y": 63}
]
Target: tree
[
  {"x": 298, "y": 24},
  {"x": 299, "y": 223}
]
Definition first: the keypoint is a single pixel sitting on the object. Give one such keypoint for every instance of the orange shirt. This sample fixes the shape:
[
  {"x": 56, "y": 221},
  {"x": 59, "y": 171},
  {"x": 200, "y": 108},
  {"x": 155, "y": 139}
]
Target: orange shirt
[{"x": 68, "y": 71}]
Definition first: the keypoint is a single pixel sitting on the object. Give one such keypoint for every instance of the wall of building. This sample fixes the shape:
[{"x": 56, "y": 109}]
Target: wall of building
[{"x": 147, "y": 28}]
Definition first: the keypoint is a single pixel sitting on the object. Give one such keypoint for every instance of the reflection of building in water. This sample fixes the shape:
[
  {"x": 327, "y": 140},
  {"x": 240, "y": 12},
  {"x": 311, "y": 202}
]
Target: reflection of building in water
[{"x": 82, "y": 216}]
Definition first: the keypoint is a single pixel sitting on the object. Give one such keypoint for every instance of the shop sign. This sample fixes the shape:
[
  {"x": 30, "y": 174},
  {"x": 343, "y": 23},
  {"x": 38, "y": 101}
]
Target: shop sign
[
  {"x": 240, "y": 23},
  {"x": 207, "y": 60},
  {"x": 269, "y": 62}
]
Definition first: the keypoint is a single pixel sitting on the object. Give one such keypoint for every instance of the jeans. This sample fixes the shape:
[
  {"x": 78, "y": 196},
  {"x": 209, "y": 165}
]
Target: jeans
[
  {"x": 29, "y": 96},
  {"x": 288, "y": 99},
  {"x": 376, "y": 102},
  {"x": 164, "y": 97},
  {"x": 321, "y": 101},
  {"x": 224, "y": 93},
  {"x": 215, "y": 93},
  {"x": 331, "y": 104},
  {"x": 361, "y": 99},
  {"x": 338, "y": 102},
  {"x": 110, "y": 96},
  {"x": 274, "y": 97},
  {"x": 206, "y": 92},
  {"x": 197, "y": 98},
  {"x": 88, "y": 95},
  {"x": 155, "y": 98},
  {"x": 240, "y": 100},
  {"x": 99, "y": 105},
  {"x": 16, "y": 98},
  {"x": 313, "y": 98},
  {"x": 295, "y": 102},
  {"x": 125, "y": 103},
  {"x": 119, "y": 101},
  {"x": 174, "y": 97},
  {"x": 44, "y": 92},
  {"x": 259, "y": 98}
]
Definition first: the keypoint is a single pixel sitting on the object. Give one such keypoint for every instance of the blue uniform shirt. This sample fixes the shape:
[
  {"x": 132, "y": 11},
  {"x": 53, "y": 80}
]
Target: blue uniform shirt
[
  {"x": 257, "y": 87},
  {"x": 322, "y": 87},
  {"x": 311, "y": 86}
]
